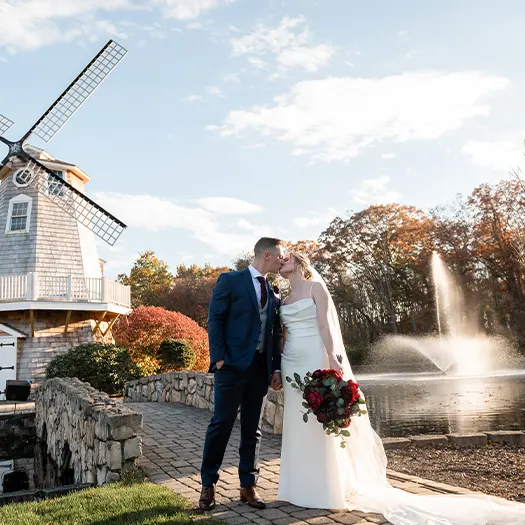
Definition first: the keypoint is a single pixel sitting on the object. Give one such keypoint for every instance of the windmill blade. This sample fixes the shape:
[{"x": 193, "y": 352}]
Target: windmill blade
[
  {"x": 5, "y": 125},
  {"x": 75, "y": 203},
  {"x": 78, "y": 91}
]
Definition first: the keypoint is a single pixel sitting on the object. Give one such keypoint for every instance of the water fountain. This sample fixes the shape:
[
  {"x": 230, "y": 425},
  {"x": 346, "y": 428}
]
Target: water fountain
[
  {"x": 457, "y": 380},
  {"x": 459, "y": 347}
]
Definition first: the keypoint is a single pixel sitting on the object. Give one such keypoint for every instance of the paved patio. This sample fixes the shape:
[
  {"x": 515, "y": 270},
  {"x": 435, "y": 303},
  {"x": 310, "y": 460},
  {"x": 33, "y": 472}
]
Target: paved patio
[{"x": 173, "y": 439}]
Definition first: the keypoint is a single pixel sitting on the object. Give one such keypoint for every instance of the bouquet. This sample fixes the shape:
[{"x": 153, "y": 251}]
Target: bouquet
[{"x": 331, "y": 399}]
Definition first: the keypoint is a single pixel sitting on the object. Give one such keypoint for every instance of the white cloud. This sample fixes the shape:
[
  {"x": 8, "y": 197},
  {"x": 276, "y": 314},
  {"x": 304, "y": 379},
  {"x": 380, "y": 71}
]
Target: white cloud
[
  {"x": 192, "y": 98},
  {"x": 257, "y": 145},
  {"x": 316, "y": 219},
  {"x": 388, "y": 156},
  {"x": 232, "y": 77},
  {"x": 308, "y": 58},
  {"x": 201, "y": 221},
  {"x": 501, "y": 154},
  {"x": 258, "y": 63},
  {"x": 215, "y": 91},
  {"x": 289, "y": 42},
  {"x": 375, "y": 191},
  {"x": 228, "y": 205},
  {"x": 337, "y": 118},
  {"x": 30, "y": 24},
  {"x": 189, "y": 9}
]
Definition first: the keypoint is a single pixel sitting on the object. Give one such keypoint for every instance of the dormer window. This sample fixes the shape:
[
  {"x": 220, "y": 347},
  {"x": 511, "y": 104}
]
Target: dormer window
[
  {"x": 55, "y": 186},
  {"x": 19, "y": 214}
]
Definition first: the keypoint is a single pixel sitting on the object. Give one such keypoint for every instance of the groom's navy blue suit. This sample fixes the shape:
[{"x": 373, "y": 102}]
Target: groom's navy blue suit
[{"x": 234, "y": 329}]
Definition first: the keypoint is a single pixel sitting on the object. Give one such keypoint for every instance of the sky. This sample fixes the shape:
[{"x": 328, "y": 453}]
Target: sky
[{"x": 232, "y": 119}]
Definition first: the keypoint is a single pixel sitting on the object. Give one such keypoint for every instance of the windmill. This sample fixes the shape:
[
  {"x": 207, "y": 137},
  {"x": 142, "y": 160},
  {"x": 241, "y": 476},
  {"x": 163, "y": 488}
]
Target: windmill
[
  {"x": 64, "y": 195},
  {"x": 53, "y": 294}
]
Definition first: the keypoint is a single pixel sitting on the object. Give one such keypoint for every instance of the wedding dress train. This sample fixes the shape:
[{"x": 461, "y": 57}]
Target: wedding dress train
[{"x": 317, "y": 473}]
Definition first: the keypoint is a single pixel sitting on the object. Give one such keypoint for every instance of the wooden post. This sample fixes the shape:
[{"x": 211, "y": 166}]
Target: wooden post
[
  {"x": 29, "y": 286},
  {"x": 68, "y": 319},
  {"x": 32, "y": 322},
  {"x": 110, "y": 325},
  {"x": 104, "y": 290},
  {"x": 69, "y": 287}
]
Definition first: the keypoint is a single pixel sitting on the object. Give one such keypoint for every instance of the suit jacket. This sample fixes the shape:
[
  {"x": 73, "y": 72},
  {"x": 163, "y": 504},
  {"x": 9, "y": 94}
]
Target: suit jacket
[{"x": 234, "y": 323}]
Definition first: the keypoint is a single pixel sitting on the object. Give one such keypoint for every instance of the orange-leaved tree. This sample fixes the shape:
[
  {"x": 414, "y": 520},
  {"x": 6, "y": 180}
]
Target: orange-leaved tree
[{"x": 146, "y": 327}]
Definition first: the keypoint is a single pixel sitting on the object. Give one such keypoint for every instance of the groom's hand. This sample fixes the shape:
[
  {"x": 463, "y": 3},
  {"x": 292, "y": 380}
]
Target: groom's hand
[
  {"x": 277, "y": 382},
  {"x": 219, "y": 364}
]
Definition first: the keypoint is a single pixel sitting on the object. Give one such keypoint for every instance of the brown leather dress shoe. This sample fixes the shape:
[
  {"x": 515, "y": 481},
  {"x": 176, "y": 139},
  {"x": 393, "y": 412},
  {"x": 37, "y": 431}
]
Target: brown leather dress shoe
[
  {"x": 207, "y": 499},
  {"x": 249, "y": 495}
]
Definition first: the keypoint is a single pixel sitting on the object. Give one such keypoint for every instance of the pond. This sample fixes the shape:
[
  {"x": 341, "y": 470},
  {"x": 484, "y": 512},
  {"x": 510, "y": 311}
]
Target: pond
[{"x": 433, "y": 403}]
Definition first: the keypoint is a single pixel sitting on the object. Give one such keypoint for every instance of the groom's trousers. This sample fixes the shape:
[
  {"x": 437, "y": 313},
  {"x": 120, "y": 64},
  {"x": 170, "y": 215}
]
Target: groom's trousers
[{"x": 234, "y": 389}]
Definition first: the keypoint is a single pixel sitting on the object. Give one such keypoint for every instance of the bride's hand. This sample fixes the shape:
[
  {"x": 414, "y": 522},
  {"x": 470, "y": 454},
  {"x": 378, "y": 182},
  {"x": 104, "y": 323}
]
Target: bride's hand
[{"x": 334, "y": 364}]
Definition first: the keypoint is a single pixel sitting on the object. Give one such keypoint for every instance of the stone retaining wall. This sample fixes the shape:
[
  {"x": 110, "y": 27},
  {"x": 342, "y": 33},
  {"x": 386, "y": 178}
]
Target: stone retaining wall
[
  {"x": 195, "y": 389},
  {"x": 475, "y": 439},
  {"x": 87, "y": 434},
  {"x": 17, "y": 435}
]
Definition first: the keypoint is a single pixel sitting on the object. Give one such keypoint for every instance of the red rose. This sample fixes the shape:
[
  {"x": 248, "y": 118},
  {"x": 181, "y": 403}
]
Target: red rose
[
  {"x": 314, "y": 399},
  {"x": 348, "y": 411},
  {"x": 323, "y": 418}
]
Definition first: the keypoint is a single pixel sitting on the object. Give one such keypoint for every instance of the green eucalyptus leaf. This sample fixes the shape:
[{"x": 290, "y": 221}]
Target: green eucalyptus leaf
[
  {"x": 305, "y": 418},
  {"x": 345, "y": 433},
  {"x": 289, "y": 379}
]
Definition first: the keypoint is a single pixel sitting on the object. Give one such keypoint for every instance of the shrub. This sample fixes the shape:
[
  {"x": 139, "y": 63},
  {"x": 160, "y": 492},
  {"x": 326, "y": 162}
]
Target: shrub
[
  {"x": 176, "y": 354},
  {"x": 146, "y": 327},
  {"x": 104, "y": 367}
]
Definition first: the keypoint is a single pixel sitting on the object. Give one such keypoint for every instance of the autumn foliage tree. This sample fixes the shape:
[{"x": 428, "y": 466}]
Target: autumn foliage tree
[
  {"x": 146, "y": 327},
  {"x": 149, "y": 279},
  {"x": 192, "y": 290}
]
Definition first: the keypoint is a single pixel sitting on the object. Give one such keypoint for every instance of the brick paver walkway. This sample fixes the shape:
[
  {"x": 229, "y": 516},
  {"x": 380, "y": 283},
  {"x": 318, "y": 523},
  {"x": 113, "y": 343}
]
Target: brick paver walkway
[{"x": 173, "y": 439}]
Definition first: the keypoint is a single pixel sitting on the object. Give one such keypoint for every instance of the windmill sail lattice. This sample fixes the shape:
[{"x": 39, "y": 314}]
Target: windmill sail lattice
[
  {"x": 5, "y": 124},
  {"x": 75, "y": 203},
  {"x": 78, "y": 91}
]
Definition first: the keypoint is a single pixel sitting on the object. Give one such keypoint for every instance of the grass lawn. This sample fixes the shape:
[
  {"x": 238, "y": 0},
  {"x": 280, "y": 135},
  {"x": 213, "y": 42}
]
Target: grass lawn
[{"x": 116, "y": 504}]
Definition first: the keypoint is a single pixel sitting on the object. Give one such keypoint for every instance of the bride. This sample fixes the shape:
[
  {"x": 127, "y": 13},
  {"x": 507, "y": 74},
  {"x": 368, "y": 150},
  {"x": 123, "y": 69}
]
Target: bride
[{"x": 315, "y": 471}]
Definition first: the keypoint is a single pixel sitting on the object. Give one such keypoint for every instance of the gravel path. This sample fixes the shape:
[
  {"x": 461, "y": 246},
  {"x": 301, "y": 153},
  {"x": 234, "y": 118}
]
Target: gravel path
[{"x": 498, "y": 470}]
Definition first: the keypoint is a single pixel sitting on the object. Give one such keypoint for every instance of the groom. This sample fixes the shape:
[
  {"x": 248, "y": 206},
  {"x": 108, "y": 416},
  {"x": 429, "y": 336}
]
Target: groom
[{"x": 245, "y": 336}]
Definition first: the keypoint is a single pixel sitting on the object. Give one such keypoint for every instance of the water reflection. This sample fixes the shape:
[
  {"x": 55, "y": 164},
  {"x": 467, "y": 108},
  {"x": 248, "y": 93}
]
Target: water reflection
[{"x": 410, "y": 404}]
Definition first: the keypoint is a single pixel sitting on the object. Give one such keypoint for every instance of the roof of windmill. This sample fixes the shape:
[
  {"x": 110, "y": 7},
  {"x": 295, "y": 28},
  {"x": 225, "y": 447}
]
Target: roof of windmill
[{"x": 53, "y": 163}]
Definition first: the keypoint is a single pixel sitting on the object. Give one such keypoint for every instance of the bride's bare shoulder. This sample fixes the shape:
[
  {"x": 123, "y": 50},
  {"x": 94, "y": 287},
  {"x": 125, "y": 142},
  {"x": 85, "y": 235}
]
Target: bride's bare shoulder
[{"x": 318, "y": 291}]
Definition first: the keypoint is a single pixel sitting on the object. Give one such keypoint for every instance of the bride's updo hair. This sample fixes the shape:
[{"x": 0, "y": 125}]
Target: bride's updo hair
[{"x": 303, "y": 265}]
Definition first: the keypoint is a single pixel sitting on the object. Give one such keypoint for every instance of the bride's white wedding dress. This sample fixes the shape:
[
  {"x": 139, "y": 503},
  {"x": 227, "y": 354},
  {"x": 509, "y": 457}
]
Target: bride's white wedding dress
[{"x": 317, "y": 473}]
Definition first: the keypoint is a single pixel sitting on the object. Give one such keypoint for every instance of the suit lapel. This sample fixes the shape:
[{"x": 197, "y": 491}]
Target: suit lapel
[{"x": 248, "y": 281}]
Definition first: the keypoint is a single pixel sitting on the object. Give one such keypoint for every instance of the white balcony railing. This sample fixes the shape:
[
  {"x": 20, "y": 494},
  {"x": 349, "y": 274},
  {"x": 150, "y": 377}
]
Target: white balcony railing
[{"x": 46, "y": 287}]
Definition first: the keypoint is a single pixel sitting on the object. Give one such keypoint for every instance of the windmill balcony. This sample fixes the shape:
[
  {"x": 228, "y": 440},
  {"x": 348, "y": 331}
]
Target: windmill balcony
[{"x": 40, "y": 291}]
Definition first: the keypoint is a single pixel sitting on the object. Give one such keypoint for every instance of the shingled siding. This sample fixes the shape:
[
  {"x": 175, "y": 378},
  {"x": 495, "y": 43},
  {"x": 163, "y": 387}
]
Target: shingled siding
[
  {"x": 52, "y": 244},
  {"x": 17, "y": 251}
]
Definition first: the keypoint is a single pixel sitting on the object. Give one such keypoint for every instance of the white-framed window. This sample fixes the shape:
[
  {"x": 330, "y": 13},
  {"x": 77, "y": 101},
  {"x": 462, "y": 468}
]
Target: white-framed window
[
  {"x": 54, "y": 186},
  {"x": 22, "y": 177},
  {"x": 19, "y": 214}
]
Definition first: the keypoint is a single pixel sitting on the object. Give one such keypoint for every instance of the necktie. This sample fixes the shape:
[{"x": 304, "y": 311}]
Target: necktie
[{"x": 264, "y": 290}]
